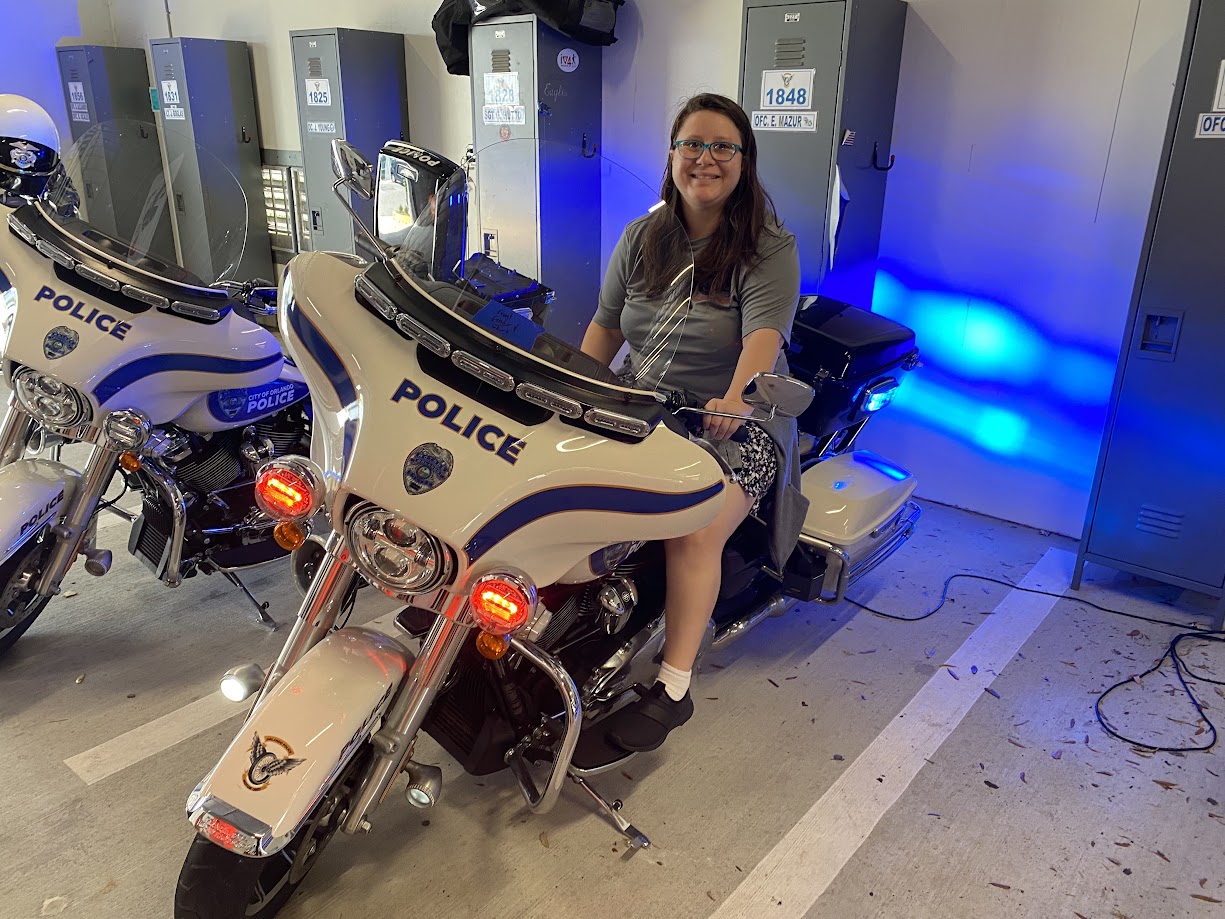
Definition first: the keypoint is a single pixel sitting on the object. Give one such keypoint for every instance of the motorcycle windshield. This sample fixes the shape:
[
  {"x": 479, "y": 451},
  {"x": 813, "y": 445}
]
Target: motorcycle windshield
[
  {"x": 114, "y": 202},
  {"x": 527, "y": 242}
]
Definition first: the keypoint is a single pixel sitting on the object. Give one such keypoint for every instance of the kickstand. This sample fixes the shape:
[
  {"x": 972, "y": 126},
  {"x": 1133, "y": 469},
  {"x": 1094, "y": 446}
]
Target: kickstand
[
  {"x": 261, "y": 609},
  {"x": 632, "y": 834}
]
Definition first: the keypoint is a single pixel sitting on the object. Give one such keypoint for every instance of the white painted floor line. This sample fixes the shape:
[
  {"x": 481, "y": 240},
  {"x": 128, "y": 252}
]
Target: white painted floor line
[
  {"x": 150, "y": 739},
  {"x": 791, "y": 878}
]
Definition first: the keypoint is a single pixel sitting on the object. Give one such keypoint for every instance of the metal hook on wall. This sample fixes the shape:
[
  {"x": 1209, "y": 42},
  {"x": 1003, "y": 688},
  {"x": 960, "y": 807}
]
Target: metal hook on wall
[
  {"x": 242, "y": 132},
  {"x": 594, "y": 149},
  {"x": 876, "y": 159}
]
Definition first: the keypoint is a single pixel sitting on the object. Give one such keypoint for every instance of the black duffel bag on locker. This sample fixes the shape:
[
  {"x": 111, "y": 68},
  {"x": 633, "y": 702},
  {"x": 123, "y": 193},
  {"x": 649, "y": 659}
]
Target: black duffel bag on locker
[{"x": 592, "y": 22}]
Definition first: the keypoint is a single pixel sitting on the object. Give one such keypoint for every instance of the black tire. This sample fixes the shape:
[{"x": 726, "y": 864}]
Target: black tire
[
  {"x": 216, "y": 883},
  {"x": 19, "y": 606}
]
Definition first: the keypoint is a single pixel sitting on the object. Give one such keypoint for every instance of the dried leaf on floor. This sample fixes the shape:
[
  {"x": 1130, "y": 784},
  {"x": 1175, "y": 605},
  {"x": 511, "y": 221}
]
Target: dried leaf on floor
[
  {"x": 1058, "y": 754},
  {"x": 1161, "y": 855},
  {"x": 869, "y": 651},
  {"x": 1212, "y": 801},
  {"x": 1023, "y": 779},
  {"x": 1200, "y": 896},
  {"x": 81, "y": 678},
  {"x": 953, "y": 674},
  {"x": 1070, "y": 664},
  {"x": 1203, "y": 881},
  {"x": 712, "y": 896},
  {"x": 1001, "y": 886},
  {"x": 1114, "y": 861},
  {"x": 1166, "y": 785},
  {"x": 930, "y": 654},
  {"x": 627, "y": 775},
  {"x": 1017, "y": 743},
  {"x": 1079, "y": 915},
  {"x": 68, "y": 593},
  {"x": 990, "y": 784},
  {"x": 991, "y": 691},
  {"x": 973, "y": 669},
  {"x": 771, "y": 682},
  {"x": 544, "y": 839},
  {"x": 838, "y": 757}
]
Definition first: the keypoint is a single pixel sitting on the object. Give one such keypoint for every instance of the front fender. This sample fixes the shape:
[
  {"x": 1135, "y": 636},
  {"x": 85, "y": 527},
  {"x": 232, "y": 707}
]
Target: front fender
[
  {"x": 297, "y": 739},
  {"x": 33, "y": 493}
]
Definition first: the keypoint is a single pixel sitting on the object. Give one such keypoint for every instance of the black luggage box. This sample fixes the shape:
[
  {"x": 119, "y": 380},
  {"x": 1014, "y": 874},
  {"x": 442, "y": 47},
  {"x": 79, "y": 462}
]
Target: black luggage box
[{"x": 838, "y": 349}]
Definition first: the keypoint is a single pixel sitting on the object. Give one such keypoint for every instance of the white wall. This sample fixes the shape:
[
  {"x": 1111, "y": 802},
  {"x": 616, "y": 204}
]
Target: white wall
[
  {"x": 1028, "y": 136},
  {"x": 28, "y": 66}
]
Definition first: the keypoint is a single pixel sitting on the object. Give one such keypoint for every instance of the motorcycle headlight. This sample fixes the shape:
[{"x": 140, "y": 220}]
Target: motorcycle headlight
[
  {"x": 55, "y": 404},
  {"x": 395, "y": 555}
]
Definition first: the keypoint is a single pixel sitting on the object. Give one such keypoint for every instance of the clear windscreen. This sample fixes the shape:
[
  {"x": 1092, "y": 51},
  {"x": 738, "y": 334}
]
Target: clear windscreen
[
  {"x": 520, "y": 244},
  {"x": 114, "y": 197}
]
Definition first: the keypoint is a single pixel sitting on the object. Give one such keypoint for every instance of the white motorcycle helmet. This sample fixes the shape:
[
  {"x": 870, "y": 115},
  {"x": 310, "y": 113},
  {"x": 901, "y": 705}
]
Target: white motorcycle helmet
[{"x": 29, "y": 150}]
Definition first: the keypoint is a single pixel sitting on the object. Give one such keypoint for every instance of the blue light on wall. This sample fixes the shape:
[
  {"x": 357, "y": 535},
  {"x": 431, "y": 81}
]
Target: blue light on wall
[{"x": 997, "y": 382}]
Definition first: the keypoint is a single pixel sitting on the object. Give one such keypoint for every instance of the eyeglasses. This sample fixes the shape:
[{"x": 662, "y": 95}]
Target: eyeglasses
[{"x": 721, "y": 150}]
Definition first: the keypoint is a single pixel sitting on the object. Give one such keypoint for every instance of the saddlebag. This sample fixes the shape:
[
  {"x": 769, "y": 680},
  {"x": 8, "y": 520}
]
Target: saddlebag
[
  {"x": 859, "y": 513},
  {"x": 839, "y": 349}
]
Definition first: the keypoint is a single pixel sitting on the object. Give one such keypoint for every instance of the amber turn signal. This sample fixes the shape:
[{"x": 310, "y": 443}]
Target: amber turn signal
[
  {"x": 288, "y": 536},
  {"x": 129, "y": 462},
  {"x": 492, "y": 647}
]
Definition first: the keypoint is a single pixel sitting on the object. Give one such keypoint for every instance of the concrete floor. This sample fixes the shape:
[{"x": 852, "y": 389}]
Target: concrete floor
[{"x": 796, "y": 791}]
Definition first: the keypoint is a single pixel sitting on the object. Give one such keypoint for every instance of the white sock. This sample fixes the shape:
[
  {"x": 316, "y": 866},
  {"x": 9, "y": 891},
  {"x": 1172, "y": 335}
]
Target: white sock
[{"x": 676, "y": 682}]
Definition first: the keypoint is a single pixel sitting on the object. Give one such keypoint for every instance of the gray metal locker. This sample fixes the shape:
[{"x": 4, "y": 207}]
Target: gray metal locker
[
  {"x": 819, "y": 81},
  {"x": 350, "y": 84},
  {"x": 208, "y": 101},
  {"x": 106, "y": 91},
  {"x": 1158, "y": 502},
  {"x": 536, "y": 125}
]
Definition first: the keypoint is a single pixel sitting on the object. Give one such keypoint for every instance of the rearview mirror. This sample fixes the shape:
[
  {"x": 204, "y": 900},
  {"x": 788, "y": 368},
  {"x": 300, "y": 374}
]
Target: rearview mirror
[
  {"x": 778, "y": 394},
  {"x": 353, "y": 169}
]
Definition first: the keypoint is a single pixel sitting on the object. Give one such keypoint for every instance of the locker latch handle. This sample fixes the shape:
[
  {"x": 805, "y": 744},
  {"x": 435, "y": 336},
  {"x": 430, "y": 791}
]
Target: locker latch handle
[{"x": 876, "y": 159}]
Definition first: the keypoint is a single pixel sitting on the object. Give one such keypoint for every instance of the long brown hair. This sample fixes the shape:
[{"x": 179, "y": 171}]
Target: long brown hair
[{"x": 745, "y": 213}]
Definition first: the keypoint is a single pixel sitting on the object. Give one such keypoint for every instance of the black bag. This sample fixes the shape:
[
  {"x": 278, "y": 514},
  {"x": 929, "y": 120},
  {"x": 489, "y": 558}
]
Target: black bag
[{"x": 592, "y": 22}]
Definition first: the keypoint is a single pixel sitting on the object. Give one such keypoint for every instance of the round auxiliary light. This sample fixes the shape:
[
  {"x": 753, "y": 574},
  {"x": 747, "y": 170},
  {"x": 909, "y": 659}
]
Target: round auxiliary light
[
  {"x": 503, "y": 602},
  {"x": 289, "y": 488}
]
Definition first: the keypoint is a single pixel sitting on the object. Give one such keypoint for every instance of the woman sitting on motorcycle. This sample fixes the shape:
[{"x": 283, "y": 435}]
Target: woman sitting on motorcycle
[{"x": 745, "y": 292}]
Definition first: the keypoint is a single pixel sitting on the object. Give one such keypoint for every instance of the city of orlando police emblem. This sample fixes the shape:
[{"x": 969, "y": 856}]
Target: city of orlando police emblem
[
  {"x": 427, "y": 467},
  {"x": 60, "y": 341}
]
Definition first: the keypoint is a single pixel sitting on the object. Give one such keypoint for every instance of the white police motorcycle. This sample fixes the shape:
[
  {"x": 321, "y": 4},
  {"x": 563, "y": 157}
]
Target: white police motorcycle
[
  {"x": 106, "y": 343},
  {"x": 512, "y": 491}
]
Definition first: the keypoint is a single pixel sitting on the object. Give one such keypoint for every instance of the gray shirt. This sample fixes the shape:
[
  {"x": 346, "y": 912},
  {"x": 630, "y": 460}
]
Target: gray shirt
[{"x": 708, "y": 346}]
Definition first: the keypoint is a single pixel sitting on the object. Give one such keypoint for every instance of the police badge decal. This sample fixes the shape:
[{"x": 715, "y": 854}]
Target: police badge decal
[
  {"x": 60, "y": 341},
  {"x": 24, "y": 155},
  {"x": 427, "y": 467}
]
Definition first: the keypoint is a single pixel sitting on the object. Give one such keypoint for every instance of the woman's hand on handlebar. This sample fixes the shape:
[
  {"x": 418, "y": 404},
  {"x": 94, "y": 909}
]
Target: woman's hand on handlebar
[{"x": 719, "y": 428}]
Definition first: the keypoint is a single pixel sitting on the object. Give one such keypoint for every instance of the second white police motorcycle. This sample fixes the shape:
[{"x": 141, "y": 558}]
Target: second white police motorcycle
[
  {"x": 109, "y": 343},
  {"x": 512, "y": 491}
]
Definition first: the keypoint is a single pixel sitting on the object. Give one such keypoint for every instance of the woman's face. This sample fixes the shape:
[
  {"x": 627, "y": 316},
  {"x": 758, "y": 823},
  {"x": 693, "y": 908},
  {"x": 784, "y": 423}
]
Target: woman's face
[{"x": 705, "y": 184}]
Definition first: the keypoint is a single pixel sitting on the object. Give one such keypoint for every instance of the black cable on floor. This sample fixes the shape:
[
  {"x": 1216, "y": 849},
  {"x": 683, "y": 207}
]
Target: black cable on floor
[
  {"x": 1172, "y": 652},
  {"x": 1180, "y": 667}
]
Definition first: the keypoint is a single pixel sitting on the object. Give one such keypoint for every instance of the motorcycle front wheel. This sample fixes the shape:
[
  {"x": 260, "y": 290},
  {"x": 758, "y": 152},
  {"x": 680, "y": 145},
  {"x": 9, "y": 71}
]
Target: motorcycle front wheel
[
  {"x": 19, "y": 603},
  {"x": 216, "y": 883}
]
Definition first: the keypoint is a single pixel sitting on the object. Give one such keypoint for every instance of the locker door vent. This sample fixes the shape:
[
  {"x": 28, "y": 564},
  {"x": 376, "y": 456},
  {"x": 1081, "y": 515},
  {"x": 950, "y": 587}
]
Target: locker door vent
[
  {"x": 168, "y": 71},
  {"x": 314, "y": 68},
  {"x": 1159, "y": 522},
  {"x": 74, "y": 75},
  {"x": 789, "y": 52},
  {"x": 500, "y": 61}
]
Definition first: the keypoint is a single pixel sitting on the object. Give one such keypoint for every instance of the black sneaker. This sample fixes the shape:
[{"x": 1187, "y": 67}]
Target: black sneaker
[{"x": 644, "y": 724}]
